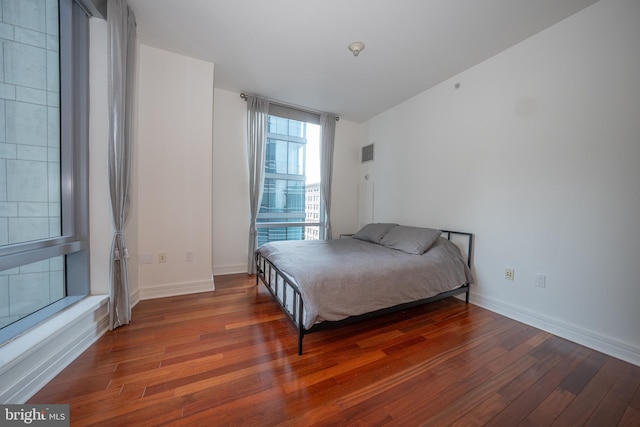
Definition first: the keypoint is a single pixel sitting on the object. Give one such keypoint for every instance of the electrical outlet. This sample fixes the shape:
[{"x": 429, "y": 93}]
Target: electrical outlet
[
  {"x": 541, "y": 280},
  {"x": 162, "y": 257},
  {"x": 509, "y": 274},
  {"x": 188, "y": 256}
]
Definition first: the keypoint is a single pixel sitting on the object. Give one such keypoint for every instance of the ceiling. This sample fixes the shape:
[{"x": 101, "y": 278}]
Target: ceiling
[{"x": 295, "y": 51}]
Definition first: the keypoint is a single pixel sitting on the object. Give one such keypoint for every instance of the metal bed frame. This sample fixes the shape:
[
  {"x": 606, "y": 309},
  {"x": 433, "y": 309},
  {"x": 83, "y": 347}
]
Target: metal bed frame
[{"x": 272, "y": 277}]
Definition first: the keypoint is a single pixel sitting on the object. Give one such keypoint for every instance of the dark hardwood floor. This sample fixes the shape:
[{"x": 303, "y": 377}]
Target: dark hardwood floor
[{"x": 229, "y": 357}]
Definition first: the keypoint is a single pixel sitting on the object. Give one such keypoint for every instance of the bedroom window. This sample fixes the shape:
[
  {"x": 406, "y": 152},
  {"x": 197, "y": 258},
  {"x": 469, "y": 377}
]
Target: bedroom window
[
  {"x": 44, "y": 260},
  {"x": 290, "y": 208}
]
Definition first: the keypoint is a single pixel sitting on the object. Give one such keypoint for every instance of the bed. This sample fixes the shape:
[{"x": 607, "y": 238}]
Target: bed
[{"x": 381, "y": 269}]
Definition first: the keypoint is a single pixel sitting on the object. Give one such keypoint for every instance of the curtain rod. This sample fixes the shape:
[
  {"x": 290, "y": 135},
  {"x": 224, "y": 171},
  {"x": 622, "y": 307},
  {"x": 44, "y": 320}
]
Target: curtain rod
[{"x": 273, "y": 101}]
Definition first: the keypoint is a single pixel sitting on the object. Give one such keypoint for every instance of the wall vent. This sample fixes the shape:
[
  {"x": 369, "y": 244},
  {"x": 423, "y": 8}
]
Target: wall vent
[{"x": 367, "y": 153}]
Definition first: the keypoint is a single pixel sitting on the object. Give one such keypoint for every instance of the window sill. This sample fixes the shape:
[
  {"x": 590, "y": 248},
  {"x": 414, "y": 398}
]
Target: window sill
[{"x": 33, "y": 358}]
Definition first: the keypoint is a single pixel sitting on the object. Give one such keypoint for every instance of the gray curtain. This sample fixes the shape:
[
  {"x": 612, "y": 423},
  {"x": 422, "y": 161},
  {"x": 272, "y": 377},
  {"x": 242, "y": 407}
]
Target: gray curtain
[
  {"x": 257, "y": 115},
  {"x": 121, "y": 39},
  {"x": 328, "y": 124}
]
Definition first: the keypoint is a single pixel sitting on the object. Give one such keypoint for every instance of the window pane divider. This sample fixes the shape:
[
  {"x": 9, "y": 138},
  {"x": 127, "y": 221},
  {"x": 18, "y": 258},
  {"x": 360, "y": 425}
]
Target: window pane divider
[
  {"x": 286, "y": 224},
  {"x": 29, "y": 256}
]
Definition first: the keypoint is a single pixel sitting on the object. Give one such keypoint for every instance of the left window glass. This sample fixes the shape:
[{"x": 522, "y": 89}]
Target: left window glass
[
  {"x": 42, "y": 231},
  {"x": 30, "y": 113},
  {"x": 29, "y": 152},
  {"x": 31, "y": 287}
]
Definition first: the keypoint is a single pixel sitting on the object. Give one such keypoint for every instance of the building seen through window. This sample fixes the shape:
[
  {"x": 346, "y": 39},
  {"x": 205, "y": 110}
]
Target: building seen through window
[
  {"x": 292, "y": 172},
  {"x": 44, "y": 260}
]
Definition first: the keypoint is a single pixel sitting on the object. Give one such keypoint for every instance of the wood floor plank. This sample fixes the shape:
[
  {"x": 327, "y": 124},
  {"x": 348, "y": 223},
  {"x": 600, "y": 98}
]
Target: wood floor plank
[
  {"x": 534, "y": 395},
  {"x": 550, "y": 408},
  {"x": 630, "y": 418},
  {"x": 608, "y": 413},
  {"x": 482, "y": 413},
  {"x": 581, "y": 408},
  {"x": 578, "y": 378},
  {"x": 474, "y": 401},
  {"x": 229, "y": 357},
  {"x": 627, "y": 384},
  {"x": 635, "y": 400}
]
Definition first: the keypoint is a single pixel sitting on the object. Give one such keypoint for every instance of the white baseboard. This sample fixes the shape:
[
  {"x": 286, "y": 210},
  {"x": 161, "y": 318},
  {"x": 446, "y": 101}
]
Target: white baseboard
[
  {"x": 222, "y": 270},
  {"x": 34, "y": 358},
  {"x": 607, "y": 345},
  {"x": 173, "y": 289},
  {"x": 134, "y": 298}
]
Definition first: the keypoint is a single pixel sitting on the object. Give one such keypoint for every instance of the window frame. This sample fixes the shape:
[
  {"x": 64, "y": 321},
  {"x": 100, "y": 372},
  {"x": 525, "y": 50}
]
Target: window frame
[
  {"x": 73, "y": 243},
  {"x": 285, "y": 112}
]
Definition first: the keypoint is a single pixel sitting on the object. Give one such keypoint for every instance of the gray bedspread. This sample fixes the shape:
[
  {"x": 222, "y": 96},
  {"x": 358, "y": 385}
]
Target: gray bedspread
[{"x": 347, "y": 277}]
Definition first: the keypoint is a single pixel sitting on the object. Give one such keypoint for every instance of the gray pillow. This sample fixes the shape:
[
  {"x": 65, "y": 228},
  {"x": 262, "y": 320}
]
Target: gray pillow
[
  {"x": 413, "y": 240},
  {"x": 373, "y": 232}
]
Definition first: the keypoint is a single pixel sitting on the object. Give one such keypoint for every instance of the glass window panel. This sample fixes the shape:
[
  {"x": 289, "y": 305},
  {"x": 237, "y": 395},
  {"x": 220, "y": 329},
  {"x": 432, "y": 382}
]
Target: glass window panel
[
  {"x": 32, "y": 140},
  {"x": 274, "y": 197},
  {"x": 270, "y": 158},
  {"x": 30, "y": 132},
  {"x": 295, "y": 199},
  {"x": 26, "y": 289},
  {"x": 281, "y": 126},
  {"x": 276, "y": 156},
  {"x": 295, "y": 233},
  {"x": 296, "y": 158},
  {"x": 311, "y": 233},
  {"x": 296, "y": 128}
]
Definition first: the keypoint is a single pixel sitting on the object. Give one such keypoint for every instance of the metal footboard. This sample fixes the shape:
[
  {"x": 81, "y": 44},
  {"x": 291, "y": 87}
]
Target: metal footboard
[{"x": 284, "y": 291}]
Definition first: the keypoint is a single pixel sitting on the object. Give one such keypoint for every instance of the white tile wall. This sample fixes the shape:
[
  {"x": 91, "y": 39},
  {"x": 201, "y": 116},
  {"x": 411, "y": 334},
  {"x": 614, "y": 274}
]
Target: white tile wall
[
  {"x": 7, "y": 91},
  {"x": 23, "y": 65},
  {"x": 52, "y": 17},
  {"x": 33, "y": 209},
  {"x": 8, "y": 209},
  {"x": 3, "y": 179},
  {"x": 6, "y": 31},
  {"x": 3, "y": 137},
  {"x": 4, "y": 297},
  {"x": 54, "y": 181},
  {"x": 53, "y": 74},
  {"x": 33, "y": 96},
  {"x": 53, "y": 127},
  {"x": 7, "y": 151},
  {"x": 4, "y": 231},
  {"x": 56, "y": 285},
  {"x": 2, "y": 43},
  {"x": 28, "y": 229},
  {"x": 27, "y": 181},
  {"x": 55, "y": 225},
  {"x": 29, "y": 151},
  {"x": 30, "y": 37},
  {"x": 26, "y": 123},
  {"x": 29, "y": 288},
  {"x": 25, "y": 13},
  {"x": 28, "y": 292}
]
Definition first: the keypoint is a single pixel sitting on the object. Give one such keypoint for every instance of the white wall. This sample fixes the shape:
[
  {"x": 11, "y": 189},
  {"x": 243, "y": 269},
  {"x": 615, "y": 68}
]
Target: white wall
[
  {"x": 175, "y": 102},
  {"x": 538, "y": 154},
  {"x": 344, "y": 187},
  {"x": 231, "y": 187},
  {"x": 230, "y": 184}
]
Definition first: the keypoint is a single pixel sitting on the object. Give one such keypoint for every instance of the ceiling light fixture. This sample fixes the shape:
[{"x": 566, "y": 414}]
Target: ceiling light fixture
[{"x": 356, "y": 48}]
